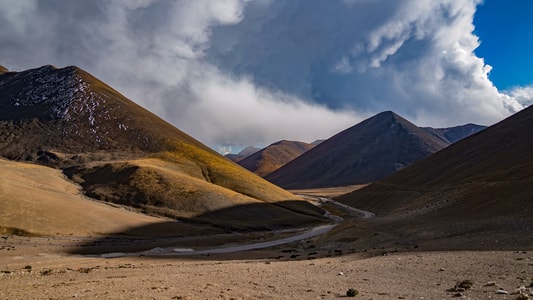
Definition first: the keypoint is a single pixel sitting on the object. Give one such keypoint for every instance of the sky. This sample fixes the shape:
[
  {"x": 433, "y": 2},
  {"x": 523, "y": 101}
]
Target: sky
[{"x": 235, "y": 73}]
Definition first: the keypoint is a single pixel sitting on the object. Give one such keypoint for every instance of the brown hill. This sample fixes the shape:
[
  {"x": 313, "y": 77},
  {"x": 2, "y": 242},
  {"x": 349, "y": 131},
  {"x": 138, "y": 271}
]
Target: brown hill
[
  {"x": 364, "y": 153},
  {"x": 120, "y": 152},
  {"x": 3, "y": 70},
  {"x": 274, "y": 156},
  {"x": 476, "y": 193}
]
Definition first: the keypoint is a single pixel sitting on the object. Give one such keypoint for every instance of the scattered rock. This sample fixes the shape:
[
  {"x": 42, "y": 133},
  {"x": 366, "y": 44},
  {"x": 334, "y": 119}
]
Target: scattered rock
[
  {"x": 519, "y": 290},
  {"x": 522, "y": 297},
  {"x": 352, "y": 293},
  {"x": 490, "y": 283},
  {"x": 501, "y": 291},
  {"x": 457, "y": 295}
]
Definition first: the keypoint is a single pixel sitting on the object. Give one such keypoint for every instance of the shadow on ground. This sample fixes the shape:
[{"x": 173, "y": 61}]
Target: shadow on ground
[{"x": 228, "y": 225}]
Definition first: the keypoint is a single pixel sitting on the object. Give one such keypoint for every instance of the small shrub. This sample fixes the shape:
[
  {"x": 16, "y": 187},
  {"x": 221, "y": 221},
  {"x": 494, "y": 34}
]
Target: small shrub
[
  {"x": 46, "y": 272},
  {"x": 465, "y": 284},
  {"x": 352, "y": 293},
  {"x": 85, "y": 270}
]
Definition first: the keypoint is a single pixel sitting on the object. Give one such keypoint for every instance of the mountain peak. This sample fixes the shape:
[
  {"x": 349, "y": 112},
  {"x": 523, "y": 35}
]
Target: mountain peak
[
  {"x": 389, "y": 116},
  {"x": 71, "y": 108},
  {"x": 52, "y": 90},
  {"x": 363, "y": 153}
]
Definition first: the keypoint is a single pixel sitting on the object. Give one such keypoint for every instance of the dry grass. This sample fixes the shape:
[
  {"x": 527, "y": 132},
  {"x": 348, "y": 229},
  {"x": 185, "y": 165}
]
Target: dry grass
[{"x": 38, "y": 200}]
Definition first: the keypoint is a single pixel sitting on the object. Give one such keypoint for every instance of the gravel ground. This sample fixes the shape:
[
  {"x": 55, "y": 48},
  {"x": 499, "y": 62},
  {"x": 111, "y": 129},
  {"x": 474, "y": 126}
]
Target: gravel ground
[{"x": 39, "y": 270}]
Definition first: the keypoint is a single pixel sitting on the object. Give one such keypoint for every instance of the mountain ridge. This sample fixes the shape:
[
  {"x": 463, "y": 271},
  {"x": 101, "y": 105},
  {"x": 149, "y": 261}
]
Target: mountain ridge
[
  {"x": 495, "y": 155},
  {"x": 242, "y": 154},
  {"x": 455, "y": 133},
  {"x": 473, "y": 195}
]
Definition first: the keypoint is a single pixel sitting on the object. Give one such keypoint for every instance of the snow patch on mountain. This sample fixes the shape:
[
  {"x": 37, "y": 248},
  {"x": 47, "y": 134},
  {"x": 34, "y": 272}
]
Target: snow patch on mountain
[{"x": 64, "y": 95}]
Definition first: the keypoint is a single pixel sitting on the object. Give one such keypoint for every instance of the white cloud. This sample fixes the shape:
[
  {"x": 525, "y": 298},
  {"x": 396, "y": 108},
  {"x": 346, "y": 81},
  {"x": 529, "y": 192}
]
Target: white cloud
[
  {"x": 237, "y": 111},
  {"x": 253, "y": 72},
  {"x": 522, "y": 95}
]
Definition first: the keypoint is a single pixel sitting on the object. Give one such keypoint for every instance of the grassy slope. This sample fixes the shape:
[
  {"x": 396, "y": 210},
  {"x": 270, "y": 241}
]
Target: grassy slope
[
  {"x": 38, "y": 200},
  {"x": 152, "y": 165}
]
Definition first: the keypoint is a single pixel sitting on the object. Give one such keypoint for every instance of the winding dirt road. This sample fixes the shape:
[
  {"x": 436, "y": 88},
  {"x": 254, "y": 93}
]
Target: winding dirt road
[{"x": 315, "y": 231}]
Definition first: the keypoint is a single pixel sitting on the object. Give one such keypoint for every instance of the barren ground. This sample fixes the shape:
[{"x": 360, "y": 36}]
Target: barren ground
[
  {"x": 43, "y": 267},
  {"x": 35, "y": 268}
]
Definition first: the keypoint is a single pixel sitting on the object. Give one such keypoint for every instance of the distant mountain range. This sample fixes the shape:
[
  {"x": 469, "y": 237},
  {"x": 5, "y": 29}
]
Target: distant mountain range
[
  {"x": 121, "y": 153},
  {"x": 366, "y": 152},
  {"x": 242, "y": 154},
  {"x": 454, "y": 134},
  {"x": 274, "y": 156}
]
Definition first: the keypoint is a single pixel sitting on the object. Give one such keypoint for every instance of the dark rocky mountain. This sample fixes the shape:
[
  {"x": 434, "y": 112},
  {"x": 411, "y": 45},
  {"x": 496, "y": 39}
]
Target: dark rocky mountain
[
  {"x": 244, "y": 153},
  {"x": 68, "y": 111},
  {"x": 457, "y": 133},
  {"x": 475, "y": 193},
  {"x": 364, "y": 153},
  {"x": 119, "y": 152},
  {"x": 274, "y": 156}
]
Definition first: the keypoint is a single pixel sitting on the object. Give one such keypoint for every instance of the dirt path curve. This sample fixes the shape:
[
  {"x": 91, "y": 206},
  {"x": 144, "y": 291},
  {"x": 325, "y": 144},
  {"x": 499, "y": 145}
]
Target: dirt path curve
[{"x": 307, "y": 233}]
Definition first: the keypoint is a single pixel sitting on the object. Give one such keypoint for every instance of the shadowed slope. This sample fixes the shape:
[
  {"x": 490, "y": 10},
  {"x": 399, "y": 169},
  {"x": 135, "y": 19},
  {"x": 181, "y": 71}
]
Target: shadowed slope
[
  {"x": 475, "y": 194},
  {"x": 363, "y": 153},
  {"x": 274, "y": 156},
  {"x": 499, "y": 156}
]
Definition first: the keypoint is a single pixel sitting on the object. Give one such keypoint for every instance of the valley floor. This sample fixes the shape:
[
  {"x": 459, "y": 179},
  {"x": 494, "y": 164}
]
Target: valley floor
[{"x": 38, "y": 268}]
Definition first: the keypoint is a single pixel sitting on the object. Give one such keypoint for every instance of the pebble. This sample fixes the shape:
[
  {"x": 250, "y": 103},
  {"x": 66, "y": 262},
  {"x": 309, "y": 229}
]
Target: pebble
[
  {"x": 458, "y": 295},
  {"x": 502, "y": 292}
]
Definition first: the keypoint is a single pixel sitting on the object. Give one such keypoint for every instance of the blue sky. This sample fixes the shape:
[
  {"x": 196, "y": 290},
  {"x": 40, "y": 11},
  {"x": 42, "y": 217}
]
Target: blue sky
[
  {"x": 234, "y": 73},
  {"x": 506, "y": 33}
]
